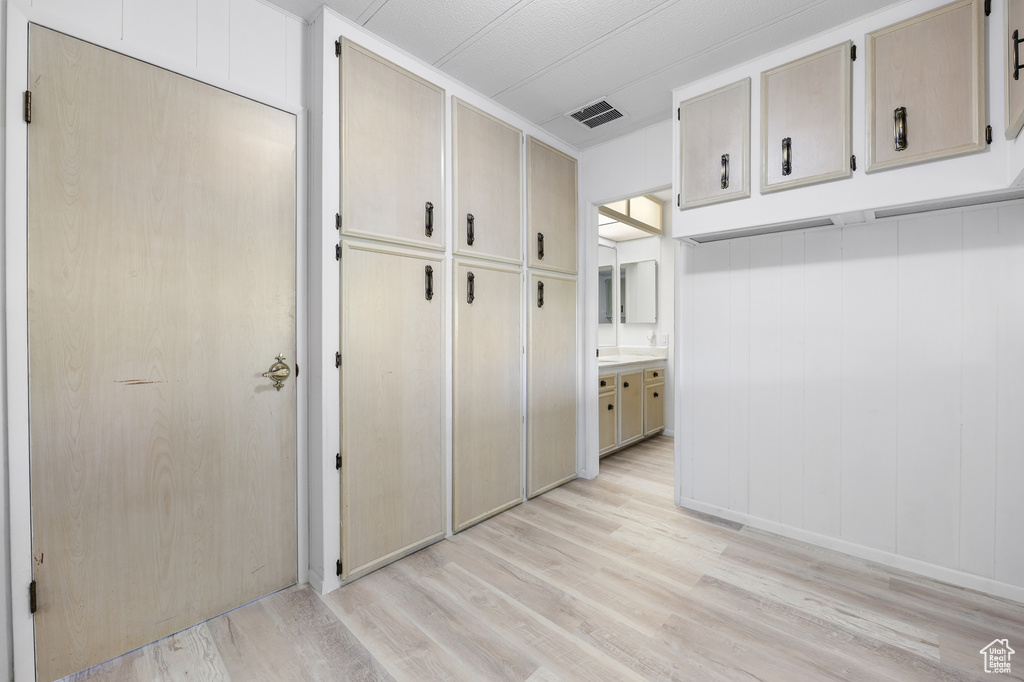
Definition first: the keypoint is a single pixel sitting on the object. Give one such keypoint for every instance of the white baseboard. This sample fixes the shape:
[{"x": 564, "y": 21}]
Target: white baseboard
[
  {"x": 316, "y": 582},
  {"x": 923, "y": 568}
]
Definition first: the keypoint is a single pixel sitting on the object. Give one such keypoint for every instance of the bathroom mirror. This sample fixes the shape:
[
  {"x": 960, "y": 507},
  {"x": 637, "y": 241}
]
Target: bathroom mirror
[
  {"x": 605, "y": 294},
  {"x": 638, "y": 284}
]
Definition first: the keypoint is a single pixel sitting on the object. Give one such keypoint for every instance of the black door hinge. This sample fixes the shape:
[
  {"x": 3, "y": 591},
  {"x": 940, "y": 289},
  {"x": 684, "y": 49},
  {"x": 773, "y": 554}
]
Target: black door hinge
[
  {"x": 988, "y": 7},
  {"x": 853, "y": 53},
  {"x": 296, "y": 370},
  {"x": 337, "y": 221},
  {"x": 337, "y": 360},
  {"x": 679, "y": 113},
  {"x": 338, "y": 566},
  {"x": 853, "y": 162},
  {"x": 337, "y": 48},
  {"x": 32, "y": 597},
  {"x": 28, "y": 106},
  {"x": 337, "y": 461},
  {"x": 337, "y": 252},
  {"x": 679, "y": 200}
]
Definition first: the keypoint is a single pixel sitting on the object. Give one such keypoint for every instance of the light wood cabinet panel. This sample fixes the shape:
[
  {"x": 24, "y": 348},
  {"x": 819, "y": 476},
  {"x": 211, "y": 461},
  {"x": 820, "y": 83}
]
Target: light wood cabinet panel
[
  {"x": 392, "y": 152},
  {"x": 608, "y": 421},
  {"x": 551, "y": 383},
  {"x": 654, "y": 408},
  {"x": 392, "y": 398},
  {"x": 631, "y": 407},
  {"x": 551, "y": 208},
  {"x": 487, "y": 174},
  {"x": 714, "y": 132},
  {"x": 805, "y": 120},
  {"x": 487, "y": 466},
  {"x": 607, "y": 382},
  {"x": 931, "y": 67},
  {"x": 1014, "y": 88}
]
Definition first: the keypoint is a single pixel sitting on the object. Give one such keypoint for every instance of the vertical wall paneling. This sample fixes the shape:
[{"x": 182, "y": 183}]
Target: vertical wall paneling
[
  {"x": 930, "y": 341},
  {"x": 765, "y": 375},
  {"x": 258, "y": 44},
  {"x": 1009, "y": 538},
  {"x": 214, "y": 21},
  {"x": 100, "y": 17},
  {"x": 823, "y": 365},
  {"x": 169, "y": 27},
  {"x": 739, "y": 374},
  {"x": 791, "y": 387},
  {"x": 684, "y": 332},
  {"x": 295, "y": 56},
  {"x": 869, "y": 295},
  {"x": 711, "y": 374}
]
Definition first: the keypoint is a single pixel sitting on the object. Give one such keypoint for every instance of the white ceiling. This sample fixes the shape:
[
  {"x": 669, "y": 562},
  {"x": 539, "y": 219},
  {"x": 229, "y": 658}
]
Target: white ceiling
[{"x": 545, "y": 58}]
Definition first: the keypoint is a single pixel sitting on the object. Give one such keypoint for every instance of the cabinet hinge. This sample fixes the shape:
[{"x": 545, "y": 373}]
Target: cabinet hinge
[
  {"x": 32, "y": 597},
  {"x": 853, "y": 162},
  {"x": 679, "y": 113},
  {"x": 296, "y": 370},
  {"x": 988, "y": 7},
  {"x": 337, "y": 48},
  {"x": 337, "y": 461},
  {"x": 853, "y": 53},
  {"x": 679, "y": 200},
  {"x": 988, "y": 134},
  {"x": 28, "y": 106},
  {"x": 337, "y": 221},
  {"x": 337, "y": 252},
  {"x": 338, "y": 566},
  {"x": 337, "y": 360}
]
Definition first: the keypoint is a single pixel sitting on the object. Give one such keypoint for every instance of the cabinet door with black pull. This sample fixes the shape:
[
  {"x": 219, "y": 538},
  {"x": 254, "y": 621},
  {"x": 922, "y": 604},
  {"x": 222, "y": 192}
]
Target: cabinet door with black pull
[{"x": 551, "y": 208}]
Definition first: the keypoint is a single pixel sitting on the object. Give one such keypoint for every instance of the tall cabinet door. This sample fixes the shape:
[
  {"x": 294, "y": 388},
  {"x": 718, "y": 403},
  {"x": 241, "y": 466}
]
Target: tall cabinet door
[
  {"x": 392, "y": 150},
  {"x": 551, "y": 383},
  {"x": 487, "y": 172},
  {"x": 487, "y": 468},
  {"x": 551, "y": 208},
  {"x": 392, "y": 395}
]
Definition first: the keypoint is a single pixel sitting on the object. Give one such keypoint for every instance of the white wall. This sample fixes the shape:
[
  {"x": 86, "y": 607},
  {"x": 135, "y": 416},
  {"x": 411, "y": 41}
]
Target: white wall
[
  {"x": 244, "y": 46},
  {"x": 862, "y": 387}
]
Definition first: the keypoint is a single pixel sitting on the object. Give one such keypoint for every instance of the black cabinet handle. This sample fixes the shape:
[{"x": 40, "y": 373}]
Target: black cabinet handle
[
  {"x": 899, "y": 128},
  {"x": 470, "y": 232},
  {"x": 540, "y": 294},
  {"x": 429, "y": 229},
  {"x": 611, "y": 407},
  {"x": 604, "y": 383},
  {"x": 470, "y": 288},
  {"x": 540, "y": 246},
  {"x": 655, "y": 395},
  {"x": 787, "y": 156},
  {"x": 429, "y": 281},
  {"x": 625, "y": 384},
  {"x": 725, "y": 171},
  {"x": 1017, "y": 66},
  {"x": 655, "y": 374}
]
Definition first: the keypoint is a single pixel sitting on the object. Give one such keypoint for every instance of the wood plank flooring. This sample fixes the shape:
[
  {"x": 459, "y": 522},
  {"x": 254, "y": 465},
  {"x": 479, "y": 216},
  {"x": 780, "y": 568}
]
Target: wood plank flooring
[{"x": 602, "y": 580}]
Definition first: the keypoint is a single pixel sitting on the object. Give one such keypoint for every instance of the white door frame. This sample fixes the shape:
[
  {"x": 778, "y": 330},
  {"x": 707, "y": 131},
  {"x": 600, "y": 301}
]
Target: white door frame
[{"x": 16, "y": 319}]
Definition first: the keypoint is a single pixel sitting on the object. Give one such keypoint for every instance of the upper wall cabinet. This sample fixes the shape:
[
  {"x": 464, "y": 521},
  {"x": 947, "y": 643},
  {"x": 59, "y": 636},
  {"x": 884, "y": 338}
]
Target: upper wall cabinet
[
  {"x": 551, "y": 207},
  {"x": 926, "y": 86},
  {"x": 487, "y": 171},
  {"x": 1014, "y": 32},
  {"x": 715, "y": 146},
  {"x": 805, "y": 120},
  {"x": 392, "y": 152}
]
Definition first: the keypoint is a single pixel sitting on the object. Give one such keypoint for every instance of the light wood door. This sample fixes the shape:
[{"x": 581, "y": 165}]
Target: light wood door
[
  {"x": 487, "y": 172},
  {"x": 805, "y": 120},
  {"x": 607, "y": 421},
  {"x": 654, "y": 408},
  {"x": 487, "y": 456},
  {"x": 392, "y": 151},
  {"x": 631, "y": 406},
  {"x": 932, "y": 67},
  {"x": 161, "y": 286},
  {"x": 392, "y": 332},
  {"x": 551, "y": 383},
  {"x": 551, "y": 208},
  {"x": 1014, "y": 67},
  {"x": 714, "y": 138}
]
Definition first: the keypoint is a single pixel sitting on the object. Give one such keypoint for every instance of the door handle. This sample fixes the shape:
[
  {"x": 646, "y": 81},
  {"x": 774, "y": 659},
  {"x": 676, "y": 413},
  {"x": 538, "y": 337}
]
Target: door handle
[
  {"x": 787, "y": 156},
  {"x": 899, "y": 128},
  {"x": 540, "y": 246},
  {"x": 470, "y": 288},
  {"x": 278, "y": 372},
  {"x": 428, "y": 276},
  {"x": 470, "y": 232},
  {"x": 540, "y": 294},
  {"x": 429, "y": 220},
  {"x": 725, "y": 171}
]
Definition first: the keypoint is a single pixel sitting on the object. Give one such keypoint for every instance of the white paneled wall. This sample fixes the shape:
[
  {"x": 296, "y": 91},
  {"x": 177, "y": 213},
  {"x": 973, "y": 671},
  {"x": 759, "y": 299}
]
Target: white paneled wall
[{"x": 863, "y": 387}]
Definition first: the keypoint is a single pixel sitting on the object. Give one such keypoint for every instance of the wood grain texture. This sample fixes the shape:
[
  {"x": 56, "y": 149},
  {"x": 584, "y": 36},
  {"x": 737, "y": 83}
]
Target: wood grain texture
[
  {"x": 934, "y": 65},
  {"x": 551, "y": 384},
  {"x": 161, "y": 286},
  {"x": 487, "y": 449},
  {"x": 602, "y": 580},
  {"x": 654, "y": 408},
  {"x": 392, "y": 401},
  {"x": 608, "y": 420},
  {"x": 551, "y": 192},
  {"x": 392, "y": 151},
  {"x": 487, "y": 174},
  {"x": 711, "y": 125},
  {"x": 631, "y": 406}
]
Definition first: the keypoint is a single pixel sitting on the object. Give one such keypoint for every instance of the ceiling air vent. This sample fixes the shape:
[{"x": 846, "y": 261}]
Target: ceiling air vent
[{"x": 596, "y": 114}]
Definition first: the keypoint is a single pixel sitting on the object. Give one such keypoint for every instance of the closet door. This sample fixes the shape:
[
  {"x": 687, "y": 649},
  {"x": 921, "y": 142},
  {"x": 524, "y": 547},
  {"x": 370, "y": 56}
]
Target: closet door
[
  {"x": 392, "y": 395},
  {"x": 487, "y": 174},
  {"x": 551, "y": 383},
  {"x": 551, "y": 208},
  {"x": 487, "y": 468},
  {"x": 392, "y": 151}
]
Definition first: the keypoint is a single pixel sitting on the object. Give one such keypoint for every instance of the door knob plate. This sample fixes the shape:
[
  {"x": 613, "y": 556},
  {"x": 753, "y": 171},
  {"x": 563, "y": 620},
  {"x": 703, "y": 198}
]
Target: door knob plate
[{"x": 278, "y": 372}]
